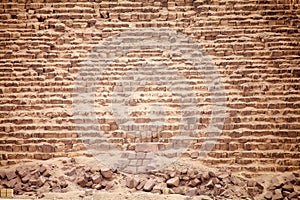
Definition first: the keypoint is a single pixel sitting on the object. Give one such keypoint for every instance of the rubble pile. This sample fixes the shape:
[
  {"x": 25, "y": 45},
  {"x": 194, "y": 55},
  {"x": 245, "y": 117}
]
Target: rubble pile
[
  {"x": 31, "y": 179},
  {"x": 39, "y": 179},
  {"x": 283, "y": 190}
]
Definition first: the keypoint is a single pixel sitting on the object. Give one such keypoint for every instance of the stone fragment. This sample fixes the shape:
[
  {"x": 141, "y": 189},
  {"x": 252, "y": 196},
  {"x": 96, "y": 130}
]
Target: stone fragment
[
  {"x": 185, "y": 178},
  {"x": 172, "y": 174},
  {"x": 166, "y": 190},
  {"x": 88, "y": 192},
  {"x": 192, "y": 173},
  {"x": 184, "y": 171},
  {"x": 212, "y": 174},
  {"x": 149, "y": 185},
  {"x": 210, "y": 184},
  {"x": 18, "y": 189},
  {"x": 89, "y": 184},
  {"x": 291, "y": 177},
  {"x": 63, "y": 184},
  {"x": 41, "y": 181},
  {"x": 21, "y": 172},
  {"x": 251, "y": 183},
  {"x": 205, "y": 176},
  {"x": 109, "y": 185},
  {"x": 40, "y": 195},
  {"x": 259, "y": 186},
  {"x": 98, "y": 187},
  {"x": 25, "y": 179},
  {"x": 132, "y": 182},
  {"x": 285, "y": 193},
  {"x": 42, "y": 169},
  {"x": 223, "y": 176},
  {"x": 97, "y": 179},
  {"x": 157, "y": 189},
  {"x": 140, "y": 185},
  {"x": 192, "y": 192},
  {"x": 11, "y": 183},
  {"x": 276, "y": 183},
  {"x": 173, "y": 182},
  {"x": 82, "y": 182},
  {"x": 71, "y": 172},
  {"x": 252, "y": 191},
  {"x": 268, "y": 195},
  {"x": 106, "y": 173},
  {"x": 215, "y": 180},
  {"x": 2, "y": 175},
  {"x": 293, "y": 195},
  {"x": 217, "y": 189},
  {"x": 277, "y": 195},
  {"x": 47, "y": 173},
  {"x": 11, "y": 175},
  {"x": 194, "y": 154},
  {"x": 33, "y": 181},
  {"x": 194, "y": 182},
  {"x": 180, "y": 190},
  {"x": 288, "y": 187}
]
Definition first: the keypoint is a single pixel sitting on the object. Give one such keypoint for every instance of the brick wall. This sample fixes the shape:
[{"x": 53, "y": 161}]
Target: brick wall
[{"x": 254, "y": 44}]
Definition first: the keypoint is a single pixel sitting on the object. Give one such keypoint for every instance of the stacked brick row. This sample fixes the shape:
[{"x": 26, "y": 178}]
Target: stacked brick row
[{"x": 254, "y": 44}]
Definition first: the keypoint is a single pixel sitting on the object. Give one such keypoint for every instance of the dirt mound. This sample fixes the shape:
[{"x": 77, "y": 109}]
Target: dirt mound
[{"x": 88, "y": 176}]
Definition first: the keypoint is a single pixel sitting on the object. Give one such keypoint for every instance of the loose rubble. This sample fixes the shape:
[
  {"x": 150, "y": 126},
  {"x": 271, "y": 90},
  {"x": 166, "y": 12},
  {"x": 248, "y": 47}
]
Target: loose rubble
[
  {"x": 39, "y": 179},
  {"x": 283, "y": 190}
]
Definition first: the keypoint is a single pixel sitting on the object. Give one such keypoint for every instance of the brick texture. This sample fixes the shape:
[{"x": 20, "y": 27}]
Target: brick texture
[{"x": 255, "y": 44}]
